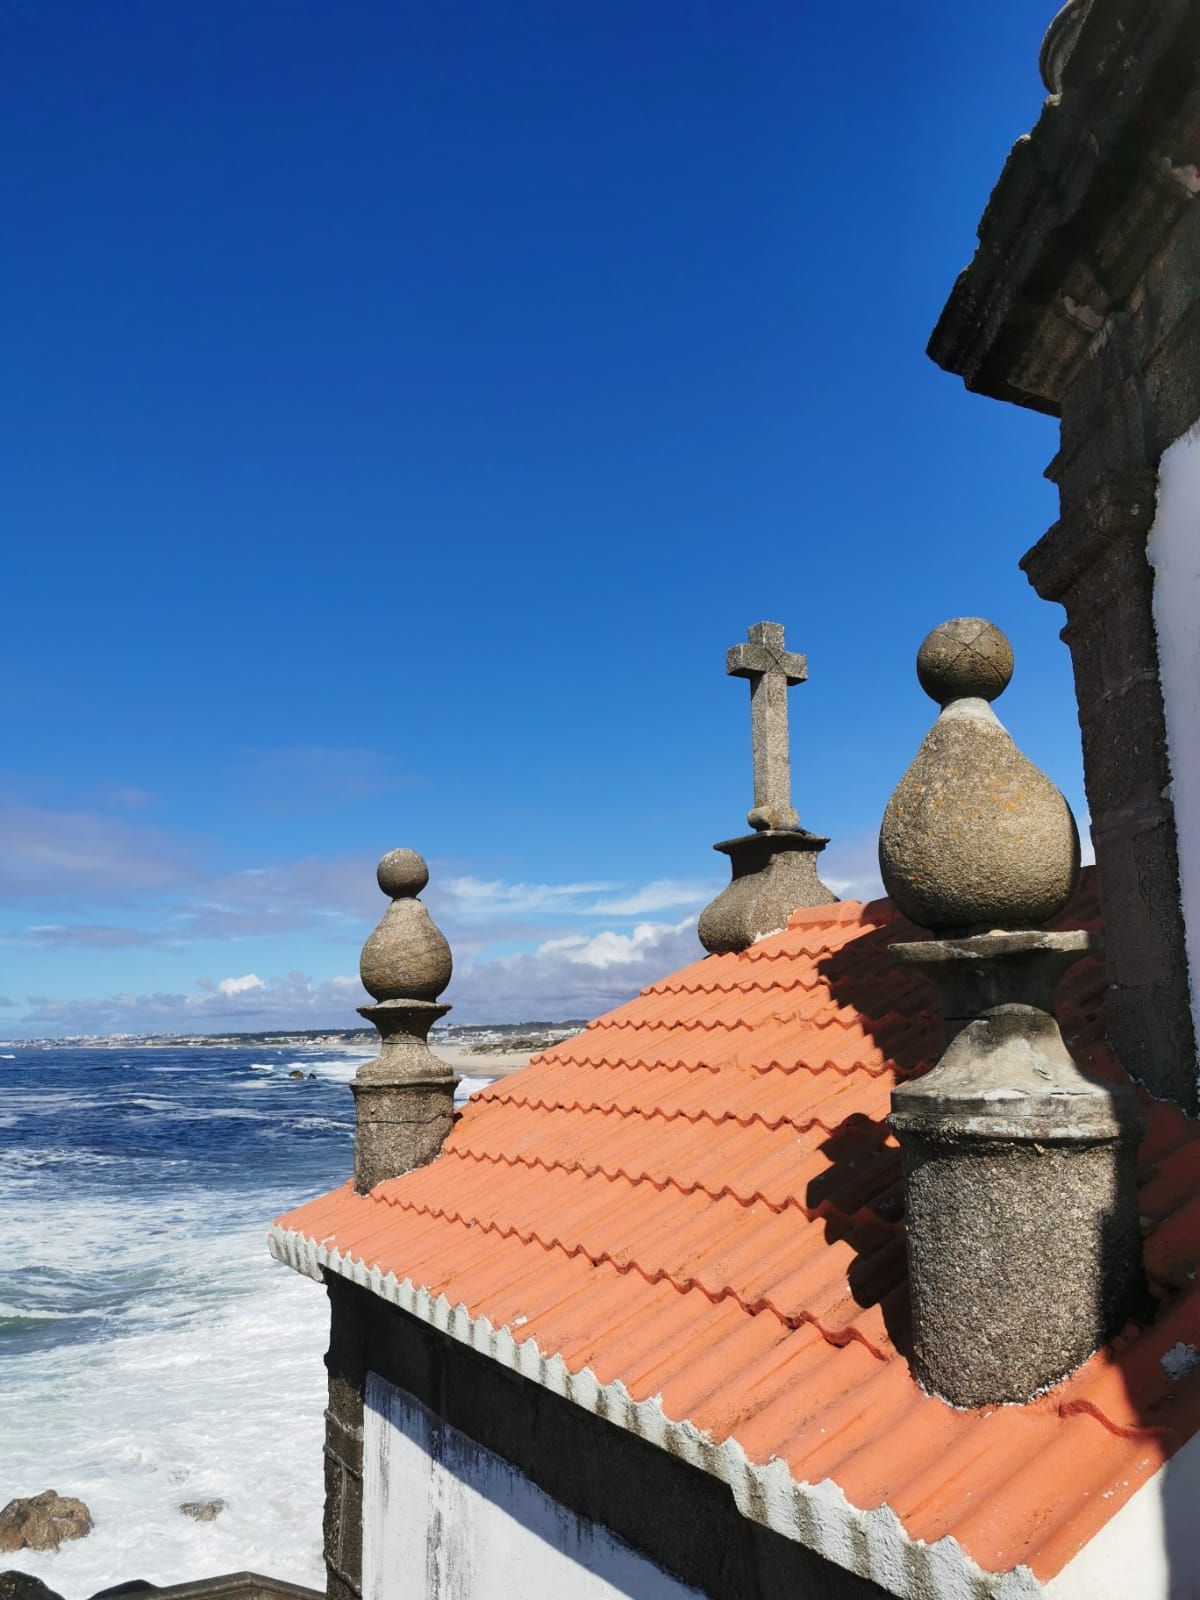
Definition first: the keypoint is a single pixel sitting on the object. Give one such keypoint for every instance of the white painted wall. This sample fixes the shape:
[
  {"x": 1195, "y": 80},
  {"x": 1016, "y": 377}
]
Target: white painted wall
[
  {"x": 444, "y": 1519},
  {"x": 1174, "y": 554},
  {"x": 1150, "y": 1549}
]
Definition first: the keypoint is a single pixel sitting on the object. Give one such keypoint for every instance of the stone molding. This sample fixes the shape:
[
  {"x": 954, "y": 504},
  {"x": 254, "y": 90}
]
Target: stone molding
[
  {"x": 1083, "y": 201},
  {"x": 1121, "y": 505},
  {"x": 1083, "y": 301}
]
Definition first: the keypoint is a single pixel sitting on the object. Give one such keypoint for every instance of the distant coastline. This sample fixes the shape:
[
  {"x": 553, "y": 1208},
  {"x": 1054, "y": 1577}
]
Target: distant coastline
[{"x": 501, "y": 1038}]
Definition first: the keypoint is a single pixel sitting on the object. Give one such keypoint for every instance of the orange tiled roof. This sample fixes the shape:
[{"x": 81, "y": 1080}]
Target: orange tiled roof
[{"x": 699, "y": 1199}]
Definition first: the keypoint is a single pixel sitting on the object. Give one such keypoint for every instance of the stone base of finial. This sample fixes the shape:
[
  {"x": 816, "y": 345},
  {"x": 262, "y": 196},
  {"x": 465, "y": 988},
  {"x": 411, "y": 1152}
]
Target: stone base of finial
[
  {"x": 404, "y": 1098},
  {"x": 1020, "y": 1177},
  {"x": 774, "y": 874}
]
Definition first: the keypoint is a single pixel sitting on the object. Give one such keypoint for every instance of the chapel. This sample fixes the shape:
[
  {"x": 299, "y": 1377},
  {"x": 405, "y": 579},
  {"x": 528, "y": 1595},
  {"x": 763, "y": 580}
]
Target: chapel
[{"x": 858, "y": 1258}]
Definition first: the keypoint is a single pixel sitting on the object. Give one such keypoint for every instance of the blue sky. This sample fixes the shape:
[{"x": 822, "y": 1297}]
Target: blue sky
[{"x": 404, "y": 409}]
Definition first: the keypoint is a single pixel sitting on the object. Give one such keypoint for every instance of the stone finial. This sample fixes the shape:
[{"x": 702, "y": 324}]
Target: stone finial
[
  {"x": 407, "y": 956},
  {"x": 975, "y": 836},
  {"x": 404, "y": 1099},
  {"x": 775, "y": 867},
  {"x": 1061, "y": 38},
  {"x": 1021, "y": 1211}
]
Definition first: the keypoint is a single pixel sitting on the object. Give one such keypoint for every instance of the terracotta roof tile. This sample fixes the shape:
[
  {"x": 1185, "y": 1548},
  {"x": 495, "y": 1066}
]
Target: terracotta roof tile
[{"x": 699, "y": 1198}]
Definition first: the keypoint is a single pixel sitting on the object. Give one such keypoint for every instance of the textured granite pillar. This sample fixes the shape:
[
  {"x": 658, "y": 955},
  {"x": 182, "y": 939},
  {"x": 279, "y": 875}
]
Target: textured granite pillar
[
  {"x": 1020, "y": 1179},
  {"x": 404, "y": 1099}
]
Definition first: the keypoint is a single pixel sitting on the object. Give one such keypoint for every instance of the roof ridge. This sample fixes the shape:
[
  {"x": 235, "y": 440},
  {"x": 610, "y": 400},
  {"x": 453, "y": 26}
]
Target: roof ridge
[
  {"x": 746, "y": 984},
  {"x": 825, "y": 1211},
  {"x": 638, "y": 1064},
  {"x": 642, "y": 1064},
  {"x": 839, "y": 1338},
  {"x": 690, "y": 1025},
  {"x": 887, "y": 1067},
  {"x": 867, "y": 1021},
  {"x": 508, "y": 1098},
  {"x": 833, "y": 913}
]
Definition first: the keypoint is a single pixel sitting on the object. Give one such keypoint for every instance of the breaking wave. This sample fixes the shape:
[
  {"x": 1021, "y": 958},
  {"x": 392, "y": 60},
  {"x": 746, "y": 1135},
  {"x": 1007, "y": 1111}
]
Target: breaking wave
[{"x": 151, "y": 1352}]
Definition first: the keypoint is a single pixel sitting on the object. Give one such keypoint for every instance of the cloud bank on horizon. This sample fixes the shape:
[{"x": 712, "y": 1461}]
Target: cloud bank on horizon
[{"x": 95, "y": 893}]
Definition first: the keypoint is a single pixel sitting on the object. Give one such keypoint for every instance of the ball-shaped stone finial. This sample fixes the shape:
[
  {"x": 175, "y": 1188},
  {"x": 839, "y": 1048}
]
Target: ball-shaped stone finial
[
  {"x": 967, "y": 657},
  {"x": 402, "y": 873},
  {"x": 975, "y": 837},
  {"x": 407, "y": 957}
]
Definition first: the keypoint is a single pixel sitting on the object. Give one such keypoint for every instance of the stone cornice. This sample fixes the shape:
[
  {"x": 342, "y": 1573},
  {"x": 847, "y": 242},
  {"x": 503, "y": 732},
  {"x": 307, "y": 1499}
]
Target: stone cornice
[
  {"x": 1083, "y": 202},
  {"x": 1121, "y": 505}
]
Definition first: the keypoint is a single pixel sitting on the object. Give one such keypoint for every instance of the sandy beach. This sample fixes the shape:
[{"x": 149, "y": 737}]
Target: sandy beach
[{"x": 483, "y": 1064}]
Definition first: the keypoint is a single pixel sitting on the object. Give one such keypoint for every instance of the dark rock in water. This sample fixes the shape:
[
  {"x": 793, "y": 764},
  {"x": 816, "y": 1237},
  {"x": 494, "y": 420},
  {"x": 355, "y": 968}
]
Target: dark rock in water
[
  {"x": 313, "y": 1076},
  {"x": 133, "y": 1586},
  {"x": 202, "y": 1510},
  {"x": 22, "y": 1586},
  {"x": 295, "y": 1073},
  {"x": 43, "y": 1521}
]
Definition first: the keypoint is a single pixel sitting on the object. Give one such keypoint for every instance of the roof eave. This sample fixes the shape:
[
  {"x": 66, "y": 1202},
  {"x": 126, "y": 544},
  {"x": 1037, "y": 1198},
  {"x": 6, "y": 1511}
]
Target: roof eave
[{"x": 872, "y": 1544}]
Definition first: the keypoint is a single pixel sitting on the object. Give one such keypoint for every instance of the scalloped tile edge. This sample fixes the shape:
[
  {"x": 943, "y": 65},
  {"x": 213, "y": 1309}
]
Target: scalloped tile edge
[{"x": 872, "y": 1544}]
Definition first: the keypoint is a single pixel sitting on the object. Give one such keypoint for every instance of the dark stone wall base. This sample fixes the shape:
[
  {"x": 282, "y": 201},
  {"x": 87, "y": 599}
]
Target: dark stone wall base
[{"x": 667, "y": 1510}]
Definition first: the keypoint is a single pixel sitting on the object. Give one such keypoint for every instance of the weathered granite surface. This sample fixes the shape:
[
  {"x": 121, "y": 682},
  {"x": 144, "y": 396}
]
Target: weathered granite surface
[
  {"x": 1083, "y": 301},
  {"x": 1023, "y": 1239},
  {"x": 775, "y": 867},
  {"x": 404, "y": 1098},
  {"x": 773, "y": 874},
  {"x": 974, "y": 836}
]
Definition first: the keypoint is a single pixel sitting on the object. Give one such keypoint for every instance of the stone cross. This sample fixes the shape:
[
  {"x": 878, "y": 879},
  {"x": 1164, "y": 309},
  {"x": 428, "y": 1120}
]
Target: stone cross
[{"x": 771, "y": 669}]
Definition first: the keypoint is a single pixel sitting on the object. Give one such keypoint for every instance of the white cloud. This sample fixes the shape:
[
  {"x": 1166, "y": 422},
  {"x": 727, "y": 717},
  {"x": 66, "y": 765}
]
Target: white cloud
[
  {"x": 79, "y": 856},
  {"x": 294, "y": 1001},
  {"x": 664, "y": 894},
  {"x": 244, "y": 985},
  {"x": 583, "y": 945},
  {"x": 489, "y": 897},
  {"x": 574, "y": 976},
  {"x": 609, "y": 949},
  {"x": 850, "y": 868}
]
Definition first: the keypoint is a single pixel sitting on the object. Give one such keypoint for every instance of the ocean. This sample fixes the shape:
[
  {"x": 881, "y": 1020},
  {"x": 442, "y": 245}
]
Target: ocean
[{"x": 152, "y": 1354}]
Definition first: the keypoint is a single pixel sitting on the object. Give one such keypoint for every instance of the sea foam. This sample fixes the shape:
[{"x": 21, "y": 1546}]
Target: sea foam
[{"x": 151, "y": 1352}]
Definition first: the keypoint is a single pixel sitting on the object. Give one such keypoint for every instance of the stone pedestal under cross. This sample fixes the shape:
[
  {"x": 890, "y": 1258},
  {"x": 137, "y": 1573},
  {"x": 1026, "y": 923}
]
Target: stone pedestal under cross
[
  {"x": 772, "y": 669},
  {"x": 775, "y": 867}
]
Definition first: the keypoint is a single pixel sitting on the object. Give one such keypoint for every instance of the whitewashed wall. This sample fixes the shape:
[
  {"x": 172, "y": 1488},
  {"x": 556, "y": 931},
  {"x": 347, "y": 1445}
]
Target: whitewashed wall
[
  {"x": 1149, "y": 1551},
  {"x": 1174, "y": 553},
  {"x": 444, "y": 1519}
]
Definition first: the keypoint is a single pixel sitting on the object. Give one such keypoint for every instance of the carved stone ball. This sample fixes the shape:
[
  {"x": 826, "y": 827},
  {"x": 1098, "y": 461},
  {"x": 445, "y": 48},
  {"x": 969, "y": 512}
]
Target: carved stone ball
[
  {"x": 965, "y": 658},
  {"x": 976, "y": 837},
  {"x": 407, "y": 957},
  {"x": 402, "y": 872}
]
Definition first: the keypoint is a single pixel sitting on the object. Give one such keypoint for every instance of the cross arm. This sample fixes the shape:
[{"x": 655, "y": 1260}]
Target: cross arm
[{"x": 764, "y": 653}]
